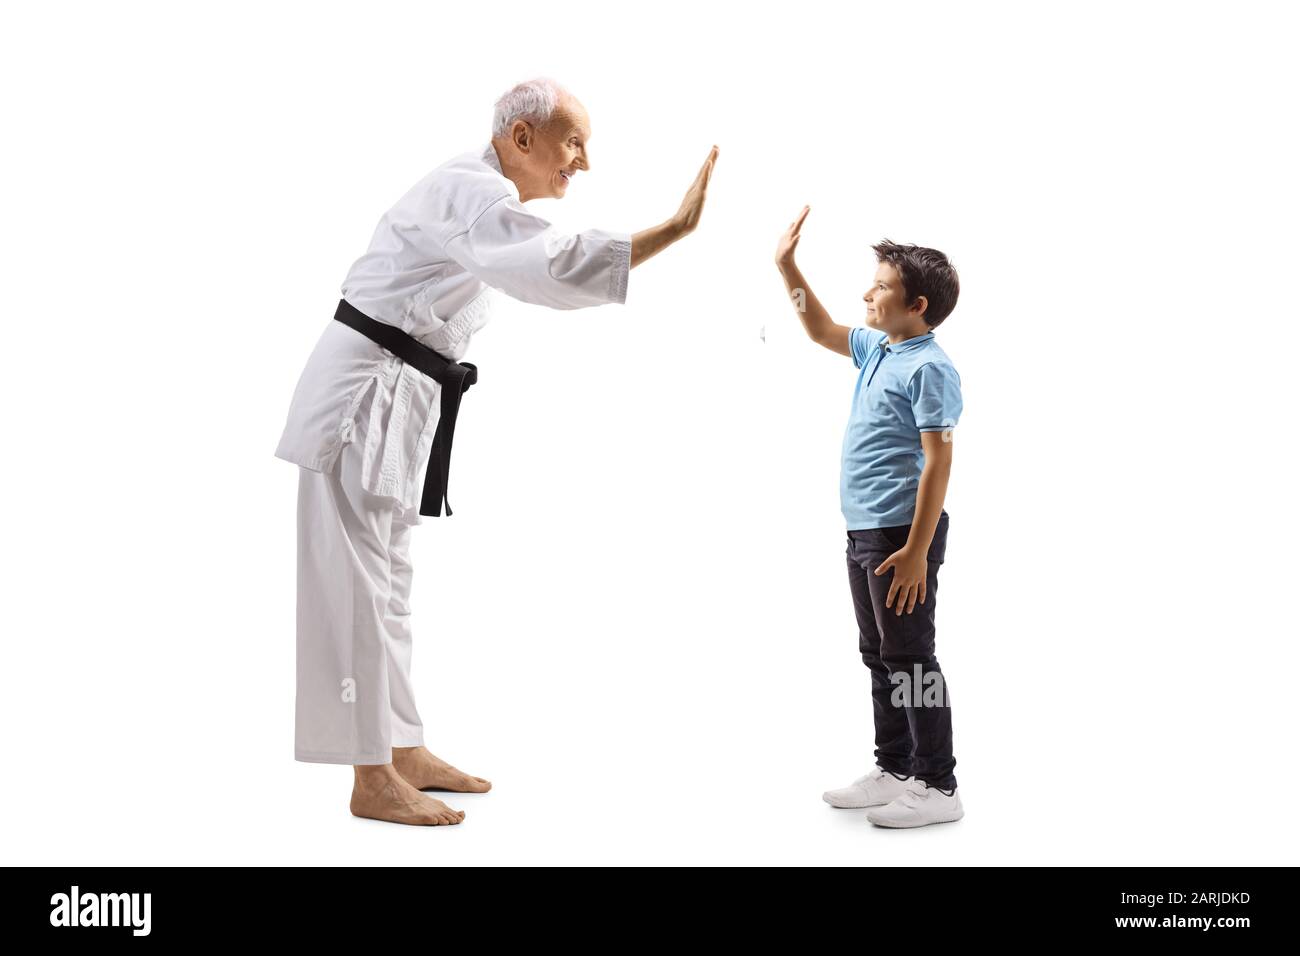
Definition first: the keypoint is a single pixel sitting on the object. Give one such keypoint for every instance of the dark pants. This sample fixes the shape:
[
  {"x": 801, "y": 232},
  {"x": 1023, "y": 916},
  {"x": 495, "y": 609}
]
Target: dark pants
[{"x": 908, "y": 692}]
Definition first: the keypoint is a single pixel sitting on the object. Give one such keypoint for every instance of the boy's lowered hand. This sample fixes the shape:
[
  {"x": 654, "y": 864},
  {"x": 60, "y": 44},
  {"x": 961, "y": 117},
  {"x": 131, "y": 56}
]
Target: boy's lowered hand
[{"x": 908, "y": 585}]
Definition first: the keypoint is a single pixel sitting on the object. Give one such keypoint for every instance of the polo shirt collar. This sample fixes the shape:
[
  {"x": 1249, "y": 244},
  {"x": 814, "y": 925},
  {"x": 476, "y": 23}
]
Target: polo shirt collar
[{"x": 906, "y": 344}]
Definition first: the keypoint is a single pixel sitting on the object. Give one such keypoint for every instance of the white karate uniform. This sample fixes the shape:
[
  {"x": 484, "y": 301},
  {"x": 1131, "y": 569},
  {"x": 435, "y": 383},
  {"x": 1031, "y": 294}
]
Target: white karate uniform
[{"x": 361, "y": 423}]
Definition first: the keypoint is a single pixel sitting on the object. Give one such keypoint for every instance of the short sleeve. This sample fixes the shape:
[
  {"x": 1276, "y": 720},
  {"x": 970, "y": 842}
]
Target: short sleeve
[
  {"x": 862, "y": 341},
  {"x": 935, "y": 390},
  {"x": 515, "y": 250}
]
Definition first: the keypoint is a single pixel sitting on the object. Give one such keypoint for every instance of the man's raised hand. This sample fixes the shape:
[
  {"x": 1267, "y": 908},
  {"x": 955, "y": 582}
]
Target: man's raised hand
[{"x": 688, "y": 216}]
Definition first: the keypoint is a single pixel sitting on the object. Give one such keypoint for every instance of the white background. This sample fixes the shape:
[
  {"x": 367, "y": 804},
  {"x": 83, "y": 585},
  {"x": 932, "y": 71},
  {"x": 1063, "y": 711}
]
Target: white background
[{"x": 637, "y": 623}]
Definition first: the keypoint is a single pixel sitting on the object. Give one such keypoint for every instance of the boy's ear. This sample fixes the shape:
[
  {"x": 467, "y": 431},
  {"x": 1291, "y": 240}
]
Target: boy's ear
[{"x": 921, "y": 304}]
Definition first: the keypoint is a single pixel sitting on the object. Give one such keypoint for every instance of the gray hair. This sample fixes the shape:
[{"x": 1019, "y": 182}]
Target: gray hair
[{"x": 534, "y": 101}]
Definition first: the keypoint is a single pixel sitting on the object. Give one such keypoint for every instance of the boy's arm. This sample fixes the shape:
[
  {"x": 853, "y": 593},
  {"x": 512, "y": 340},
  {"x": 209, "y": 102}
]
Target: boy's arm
[
  {"x": 816, "y": 320},
  {"x": 910, "y": 563}
]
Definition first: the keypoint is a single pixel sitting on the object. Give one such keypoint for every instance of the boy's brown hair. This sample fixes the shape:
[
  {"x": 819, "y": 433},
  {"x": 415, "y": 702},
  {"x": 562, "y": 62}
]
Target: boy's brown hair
[{"x": 924, "y": 272}]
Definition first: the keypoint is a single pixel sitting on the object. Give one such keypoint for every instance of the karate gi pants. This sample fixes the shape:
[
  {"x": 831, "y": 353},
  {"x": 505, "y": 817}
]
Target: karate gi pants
[{"x": 355, "y": 701}]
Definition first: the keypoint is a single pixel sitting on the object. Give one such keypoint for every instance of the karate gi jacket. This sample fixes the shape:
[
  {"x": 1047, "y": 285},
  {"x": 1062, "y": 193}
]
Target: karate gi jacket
[{"x": 432, "y": 264}]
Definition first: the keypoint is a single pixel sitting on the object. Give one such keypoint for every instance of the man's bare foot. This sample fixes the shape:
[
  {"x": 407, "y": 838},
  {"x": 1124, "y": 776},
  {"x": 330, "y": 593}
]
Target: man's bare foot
[
  {"x": 380, "y": 793},
  {"x": 423, "y": 771}
]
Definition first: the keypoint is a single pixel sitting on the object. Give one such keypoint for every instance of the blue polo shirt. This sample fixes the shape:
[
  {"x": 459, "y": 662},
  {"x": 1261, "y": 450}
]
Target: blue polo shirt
[{"x": 902, "y": 390}]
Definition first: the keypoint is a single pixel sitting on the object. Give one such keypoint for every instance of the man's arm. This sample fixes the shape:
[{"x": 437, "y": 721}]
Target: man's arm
[
  {"x": 656, "y": 239},
  {"x": 513, "y": 249},
  {"x": 909, "y": 563},
  {"x": 816, "y": 320},
  {"x": 648, "y": 242}
]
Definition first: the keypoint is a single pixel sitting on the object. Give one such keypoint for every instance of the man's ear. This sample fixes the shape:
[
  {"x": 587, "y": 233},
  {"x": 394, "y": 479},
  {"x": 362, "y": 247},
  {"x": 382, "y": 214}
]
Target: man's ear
[
  {"x": 919, "y": 306},
  {"x": 521, "y": 134}
]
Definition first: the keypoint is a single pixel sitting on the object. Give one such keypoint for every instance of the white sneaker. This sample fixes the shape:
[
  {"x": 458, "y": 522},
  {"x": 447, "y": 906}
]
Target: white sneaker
[
  {"x": 918, "y": 805},
  {"x": 874, "y": 790}
]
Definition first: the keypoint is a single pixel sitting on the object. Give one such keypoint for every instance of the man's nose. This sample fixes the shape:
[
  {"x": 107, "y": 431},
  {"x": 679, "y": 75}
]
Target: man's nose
[{"x": 582, "y": 160}]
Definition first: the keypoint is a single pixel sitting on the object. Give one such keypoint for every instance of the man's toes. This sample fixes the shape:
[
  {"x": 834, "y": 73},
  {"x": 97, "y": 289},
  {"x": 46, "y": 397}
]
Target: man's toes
[{"x": 446, "y": 813}]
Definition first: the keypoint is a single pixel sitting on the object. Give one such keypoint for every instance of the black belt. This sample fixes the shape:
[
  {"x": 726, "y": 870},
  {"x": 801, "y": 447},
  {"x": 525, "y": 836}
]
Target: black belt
[{"x": 455, "y": 379}]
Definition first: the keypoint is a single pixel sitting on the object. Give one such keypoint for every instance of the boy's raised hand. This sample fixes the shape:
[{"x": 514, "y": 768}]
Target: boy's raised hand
[
  {"x": 908, "y": 585},
  {"x": 785, "y": 248}
]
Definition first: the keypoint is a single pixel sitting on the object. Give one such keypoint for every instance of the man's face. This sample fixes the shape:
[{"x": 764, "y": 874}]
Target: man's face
[
  {"x": 886, "y": 308},
  {"x": 557, "y": 150}
]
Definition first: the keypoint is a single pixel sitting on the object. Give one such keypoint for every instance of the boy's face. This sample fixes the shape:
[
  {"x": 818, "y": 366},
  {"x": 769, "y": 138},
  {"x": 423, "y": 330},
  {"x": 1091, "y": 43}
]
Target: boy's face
[{"x": 886, "y": 309}]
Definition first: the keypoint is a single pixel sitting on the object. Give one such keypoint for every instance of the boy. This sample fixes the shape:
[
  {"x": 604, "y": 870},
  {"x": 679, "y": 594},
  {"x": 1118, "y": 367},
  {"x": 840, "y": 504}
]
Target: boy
[{"x": 896, "y": 460}]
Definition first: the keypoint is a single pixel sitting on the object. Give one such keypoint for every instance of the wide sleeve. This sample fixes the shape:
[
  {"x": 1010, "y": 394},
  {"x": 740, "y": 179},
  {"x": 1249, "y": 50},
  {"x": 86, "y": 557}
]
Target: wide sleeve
[
  {"x": 935, "y": 390},
  {"x": 526, "y": 257}
]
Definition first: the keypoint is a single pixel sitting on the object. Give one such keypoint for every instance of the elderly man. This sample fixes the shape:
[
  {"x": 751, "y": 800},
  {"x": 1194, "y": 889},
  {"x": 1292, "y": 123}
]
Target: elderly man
[{"x": 378, "y": 398}]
